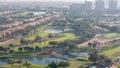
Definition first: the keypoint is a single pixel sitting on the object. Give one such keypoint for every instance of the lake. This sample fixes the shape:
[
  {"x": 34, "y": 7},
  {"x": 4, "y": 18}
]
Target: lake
[
  {"x": 46, "y": 60},
  {"x": 74, "y": 54},
  {"x": 42, "y": 60},
  {"x": 38, "y": 13},
  {"x": 36, "y": 60},
  {"x": 53, "y": 31}
]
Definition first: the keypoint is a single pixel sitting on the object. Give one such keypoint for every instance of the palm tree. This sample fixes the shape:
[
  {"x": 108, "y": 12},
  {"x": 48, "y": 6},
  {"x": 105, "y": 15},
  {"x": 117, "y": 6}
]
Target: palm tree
[
  {"x": 11, "y": 62},
  {"x": 20, "y": 49},
  {"x": 63, "y": 64},
  {"x": 93, "y": 56},
  {"x": 90, "y": 44},
  {"x": 27, "y": 64},
  {"x": 38, "y": 38},
  {"x": 53, "y": 65},
  {"x": 19, "y": 62}
]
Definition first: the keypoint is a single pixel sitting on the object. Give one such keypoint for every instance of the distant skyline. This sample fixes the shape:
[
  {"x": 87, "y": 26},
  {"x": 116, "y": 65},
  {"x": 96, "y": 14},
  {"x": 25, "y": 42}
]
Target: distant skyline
[{"x": 77, "y": 1}]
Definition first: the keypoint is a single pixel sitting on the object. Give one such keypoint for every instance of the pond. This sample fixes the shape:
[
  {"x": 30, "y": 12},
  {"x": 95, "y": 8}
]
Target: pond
[
  {"x": 73, "y": 55},
  {"x": 2, "y": 61},
  {"x": 38, "y": 13},
  {"x": 36, "y": 60},
  {"x": 53, "y": 31},
  {"x": 41, "y": 60},
  {"x": 80, "y": 54},
  {"x": 92, "y": 67},
  {"x": 46, "y": 60}
]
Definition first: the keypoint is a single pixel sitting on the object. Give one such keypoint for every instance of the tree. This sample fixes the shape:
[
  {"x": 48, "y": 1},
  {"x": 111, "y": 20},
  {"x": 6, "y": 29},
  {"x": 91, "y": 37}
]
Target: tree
[
  {"x": 93, "y": 56},
  {"x": 101, "y": 60},
  {"x": 104, "y": 61},
  {"x": 19, "y": 61},
  {"x": 11, "y": 51},
  {"x": 63, "y": 64},
  {"x": 30, "y": 14},
  {"x": 108, "y": 62},
  {"x": 3, "y": 49},
  {"x": 53, "y": 43},
  {"x": 90, "y": 44},
  {"x": 10, "y": 45},
  {"x": 72, "y": 47},
  {"x": 27, "y": 64},
  {"x": 38, "y": 38},
  {"x": 28, "y": 49},
  {"x": 53, "y": 65},
  {"x": 20, "y": 49},
  {"x": 37, "y": 48},
  {"x": 11, "y": 62},
  {"x": 22, "y": 41}
]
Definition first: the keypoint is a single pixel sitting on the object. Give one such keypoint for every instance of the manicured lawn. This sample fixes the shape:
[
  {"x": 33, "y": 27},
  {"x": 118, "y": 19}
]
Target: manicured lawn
[
  {"x": 18, "y": 66},
  {"x": 118, "y": 65},
  {"x": 15, "y": 41},
  {"x": 21, "y": 14},
  {"x": 111, "y": 50},
  {"x": 65, "y": 36},
  {"x": 110, "y": 35},
  {"x": 40, "y": 32},
  {"x": 41, "y": 44},
  {"x": 76, "y": 64},
  {"x": 73, "y": 64}
]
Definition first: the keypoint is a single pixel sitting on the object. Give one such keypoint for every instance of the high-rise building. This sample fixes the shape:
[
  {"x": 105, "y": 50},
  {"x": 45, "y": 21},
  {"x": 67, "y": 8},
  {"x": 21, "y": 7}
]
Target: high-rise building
[
  {"x": 88, "y": 5},
  {"x": 99, "y": 4},
  {"x": 113, "y": 4},
  {"x": 77, "y": 7}
]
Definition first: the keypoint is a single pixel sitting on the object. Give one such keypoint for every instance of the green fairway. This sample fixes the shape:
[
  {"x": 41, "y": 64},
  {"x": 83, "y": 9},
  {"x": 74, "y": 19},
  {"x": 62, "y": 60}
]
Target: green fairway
[
  {"x": 14, "y": 41},
  {"x": 65, "y": 36},
  {"x": 44, "y": 35},
  {"x": 40, "y": 32},
  {"x": 111, "y": 50},
  {"x": 76, "y": 64},
  {"x": 118, "y": 65},
  {"x": 110, "y": 35},
  {"x": 73, "y": 64},
  {"x": 21, "y": 14},
  {"x": 21, "y": 66}
]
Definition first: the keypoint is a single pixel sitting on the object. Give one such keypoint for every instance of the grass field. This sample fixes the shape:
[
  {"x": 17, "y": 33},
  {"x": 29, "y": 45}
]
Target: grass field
[
  {"x": 118, "y": 65},
  {"x": 64, "y": 36},
  {"x": 21, "y": 66},
  {"x": 73, "y": 64},
  {"x": 76, "y": 64},
  {"x": 21, "y": 14},
  {"x": 11, "y": 42},
  {"x": 111, "y": 50},
  {"x": 40, "y": 32},
  {"x": 110, "y": 35}
]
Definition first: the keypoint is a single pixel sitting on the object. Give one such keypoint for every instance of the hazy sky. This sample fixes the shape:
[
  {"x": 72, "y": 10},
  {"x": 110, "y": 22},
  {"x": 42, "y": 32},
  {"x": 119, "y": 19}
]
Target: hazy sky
[{"x": 51, "y": 0}]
